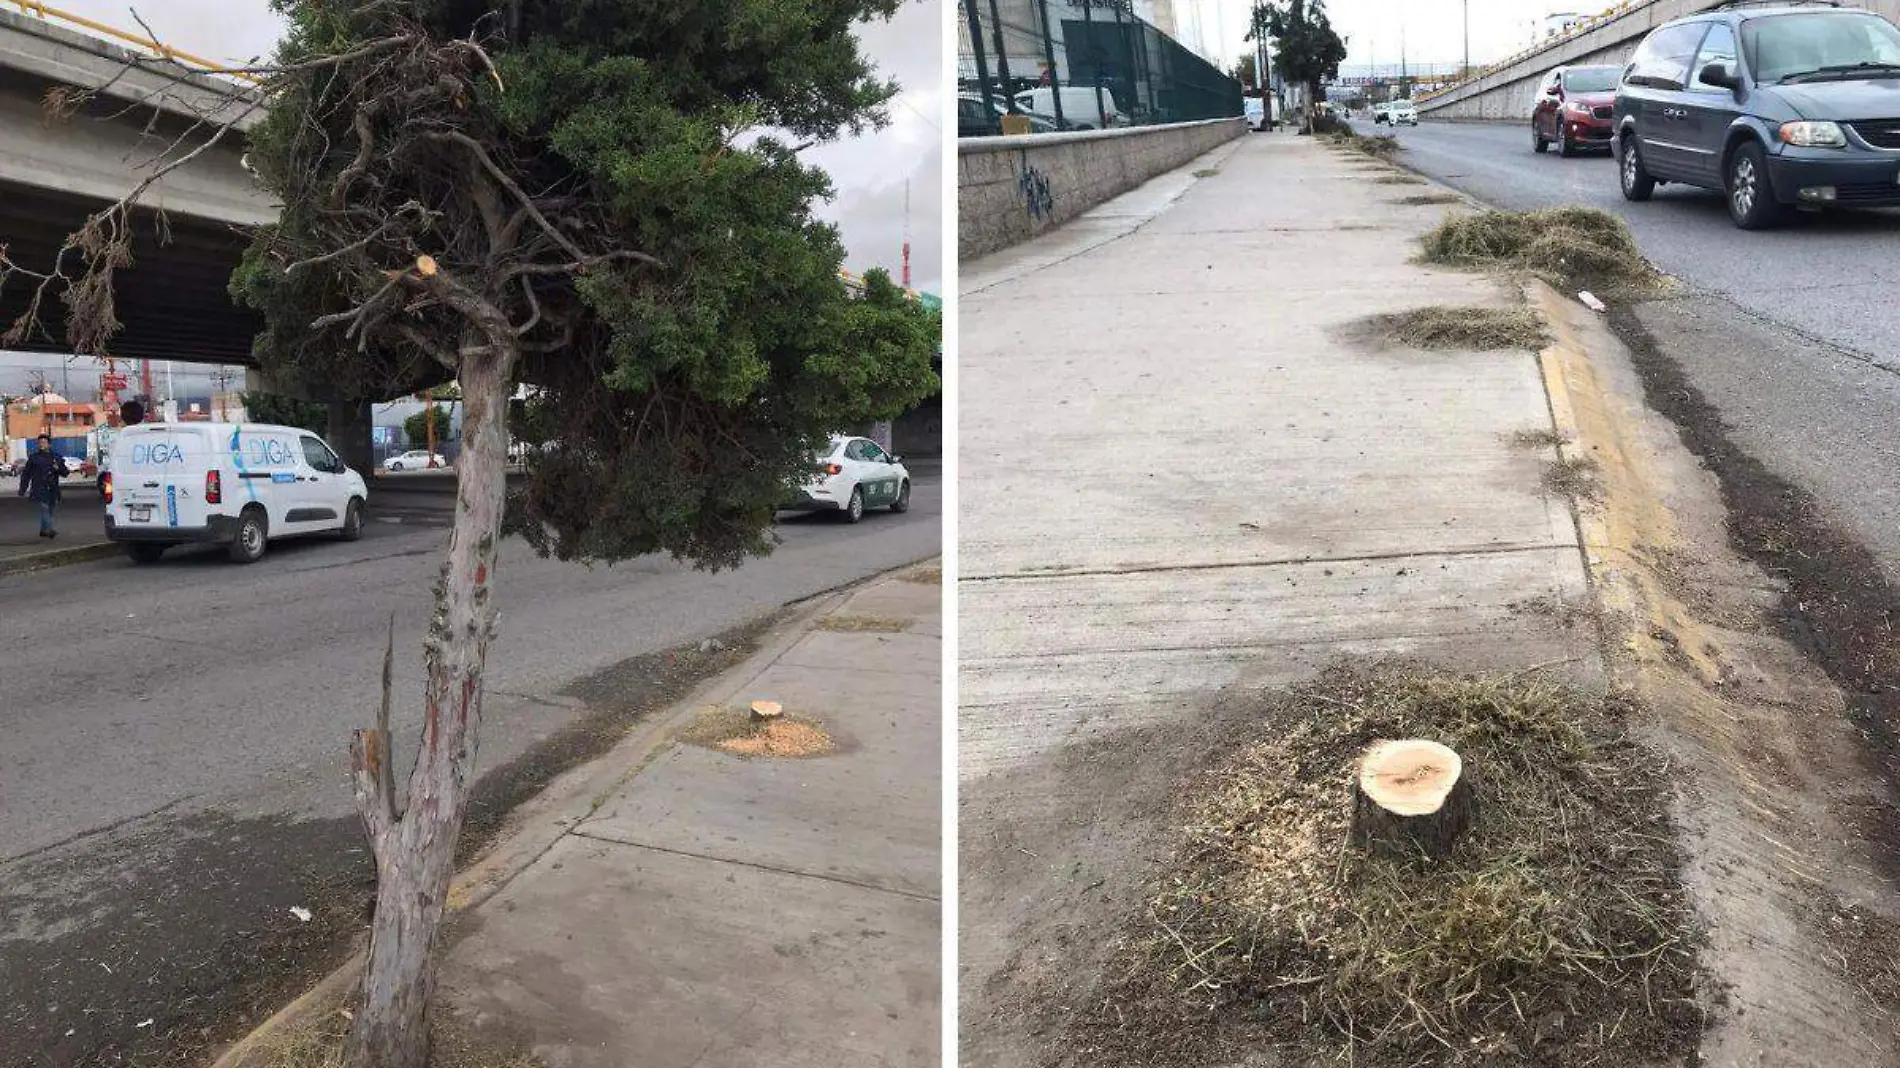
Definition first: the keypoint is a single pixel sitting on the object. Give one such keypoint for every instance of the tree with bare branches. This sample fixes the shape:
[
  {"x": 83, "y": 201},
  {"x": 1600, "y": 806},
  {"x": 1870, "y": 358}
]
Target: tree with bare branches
[{"x": 602, "y": 199}]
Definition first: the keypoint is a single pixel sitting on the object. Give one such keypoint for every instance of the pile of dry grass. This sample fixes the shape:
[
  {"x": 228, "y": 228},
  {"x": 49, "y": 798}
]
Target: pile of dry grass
[
  {"x": 1443, "y": 327},
  {"x": 1565, "y": 246},
  {"x": 1574, "y": 476},
  {"x": 1378, "y": 146},
  {"x": 1556, "y": 934}
]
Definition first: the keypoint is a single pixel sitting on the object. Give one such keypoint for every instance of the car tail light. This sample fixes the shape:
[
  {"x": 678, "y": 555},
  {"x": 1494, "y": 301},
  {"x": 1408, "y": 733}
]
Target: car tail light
[
  {"x": 834, "y": 469},
  {"x": 105, "y": 486},
  {"x": 214, "y": 488}
]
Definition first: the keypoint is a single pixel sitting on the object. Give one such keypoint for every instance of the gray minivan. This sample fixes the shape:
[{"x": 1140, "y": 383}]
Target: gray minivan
[{"x": 1774, "y": 106}]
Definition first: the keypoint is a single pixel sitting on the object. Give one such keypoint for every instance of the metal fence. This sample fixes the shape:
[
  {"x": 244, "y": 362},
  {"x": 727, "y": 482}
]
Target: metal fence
[{"x": 1034, "y": 66}]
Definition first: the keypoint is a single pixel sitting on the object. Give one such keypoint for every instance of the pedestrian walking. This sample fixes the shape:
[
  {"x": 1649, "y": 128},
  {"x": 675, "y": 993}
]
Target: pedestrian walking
[{"x": 39, "y": 479}]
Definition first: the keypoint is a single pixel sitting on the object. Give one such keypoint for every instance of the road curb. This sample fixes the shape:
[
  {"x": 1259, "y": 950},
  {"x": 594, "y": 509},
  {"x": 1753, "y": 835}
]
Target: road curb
[
  {"x": 536, "y": 825},
  {"x": 51, "y": 558}
]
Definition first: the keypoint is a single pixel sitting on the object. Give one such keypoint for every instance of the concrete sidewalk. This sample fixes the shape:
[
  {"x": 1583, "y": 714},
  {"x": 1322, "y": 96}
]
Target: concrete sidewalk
[
  {"x": 719, "y": 910},
  {"x": 82, "y": 532},
  {"x": 1213, "y": 484}
]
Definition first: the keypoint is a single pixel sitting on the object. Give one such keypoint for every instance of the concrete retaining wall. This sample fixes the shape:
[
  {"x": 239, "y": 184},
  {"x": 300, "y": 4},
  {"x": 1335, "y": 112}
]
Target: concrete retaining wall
[
  {"x": 1506, "y": 94},
  {"x": 1009, "y": 189}
]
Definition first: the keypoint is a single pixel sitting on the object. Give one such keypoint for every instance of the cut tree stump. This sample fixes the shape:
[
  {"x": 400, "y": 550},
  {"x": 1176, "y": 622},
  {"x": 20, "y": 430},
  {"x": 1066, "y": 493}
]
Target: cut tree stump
[
  {"x": 1411, "y": 796},
  {"x": 764, "y": 712}
]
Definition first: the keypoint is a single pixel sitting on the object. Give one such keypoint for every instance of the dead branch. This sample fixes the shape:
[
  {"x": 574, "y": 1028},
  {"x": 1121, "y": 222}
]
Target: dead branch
[
  {"x": 583, "y": 265},
  {"x": 527, "y": 203}
]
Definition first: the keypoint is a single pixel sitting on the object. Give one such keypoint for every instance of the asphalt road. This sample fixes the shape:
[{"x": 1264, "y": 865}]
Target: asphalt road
[
  {"x": 1792, "y": 334},
  {"x": 172, "y": 779},
  {"x": 1829, "y": 275}
]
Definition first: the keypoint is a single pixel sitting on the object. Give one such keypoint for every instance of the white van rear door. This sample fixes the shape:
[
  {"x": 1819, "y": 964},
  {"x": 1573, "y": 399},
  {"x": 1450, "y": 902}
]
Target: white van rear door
[{"x": 158, "y": 477}]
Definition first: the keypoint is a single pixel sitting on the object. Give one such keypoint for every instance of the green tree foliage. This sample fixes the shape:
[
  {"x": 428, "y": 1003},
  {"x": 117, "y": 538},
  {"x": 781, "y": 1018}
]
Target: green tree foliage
[
  {"x": 680, "y": 312},
  {"x": 1307, "y": 50},
  {"x": 286, "y": 411},
  {"x": 417, "y": 426},
  {"x": 1243, "y": 71}
]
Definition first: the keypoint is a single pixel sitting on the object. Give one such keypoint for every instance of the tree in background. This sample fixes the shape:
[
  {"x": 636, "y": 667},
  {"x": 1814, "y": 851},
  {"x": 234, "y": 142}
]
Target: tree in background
[
  {"x": 603, "y": 199},
  {"x": 286, "y": 411},
  {"x": 1306, "y": 49},
  {"x": 1243, "y": 72},
  {"x": 416, "y": 427}
]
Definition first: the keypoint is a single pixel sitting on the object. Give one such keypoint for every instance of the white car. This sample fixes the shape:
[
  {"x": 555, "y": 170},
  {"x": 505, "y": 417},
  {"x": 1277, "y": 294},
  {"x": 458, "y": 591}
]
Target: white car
[
  {"x": 852, "y": 475},
  {"x": 233, "y": 484},
  {"x": 415, "y": 460}
]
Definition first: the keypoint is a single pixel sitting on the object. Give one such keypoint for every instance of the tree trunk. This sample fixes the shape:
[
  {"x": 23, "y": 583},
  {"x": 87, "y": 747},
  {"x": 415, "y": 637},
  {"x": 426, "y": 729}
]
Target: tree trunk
[
  {"x": 1410, "y": 797},
  {"x": 415, "y": 849}
]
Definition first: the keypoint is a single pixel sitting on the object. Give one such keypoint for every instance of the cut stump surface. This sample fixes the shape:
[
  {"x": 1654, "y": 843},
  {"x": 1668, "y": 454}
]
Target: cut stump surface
[{"x": 1411, "y": 796}]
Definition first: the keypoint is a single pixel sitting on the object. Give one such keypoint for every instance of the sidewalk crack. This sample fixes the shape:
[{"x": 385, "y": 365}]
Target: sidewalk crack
[
  {"x": 860, "y": 884},
  {"x": 1228, "y": 565}
]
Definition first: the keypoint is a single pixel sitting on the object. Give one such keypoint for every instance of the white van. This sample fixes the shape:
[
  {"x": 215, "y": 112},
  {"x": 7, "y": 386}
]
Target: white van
[
  {"x": 235, "y": 484},
  {"x": 1079, "y": 110}
]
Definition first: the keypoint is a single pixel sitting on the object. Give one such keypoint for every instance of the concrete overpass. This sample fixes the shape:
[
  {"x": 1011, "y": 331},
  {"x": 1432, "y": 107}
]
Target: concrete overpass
[
  {"x": 1504, "y": 90},
  {"x": 173, "y": 301}
]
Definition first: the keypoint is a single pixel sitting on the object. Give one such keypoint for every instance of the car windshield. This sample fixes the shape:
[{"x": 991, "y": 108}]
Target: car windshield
[
  {"x": 1820, "y": 45},
  {"x": 1591, "y": 79}
]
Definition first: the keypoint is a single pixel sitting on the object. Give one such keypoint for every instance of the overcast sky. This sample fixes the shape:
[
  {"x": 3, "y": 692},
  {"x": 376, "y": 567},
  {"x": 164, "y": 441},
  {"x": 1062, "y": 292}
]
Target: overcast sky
[
  {"x": 868, "y": 172},
  {"x": 1433, "y": 29}
]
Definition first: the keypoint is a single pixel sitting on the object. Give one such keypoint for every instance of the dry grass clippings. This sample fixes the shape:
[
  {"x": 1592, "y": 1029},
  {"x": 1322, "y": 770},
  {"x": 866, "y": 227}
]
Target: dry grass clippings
[
  {"x": 863, "y": 624},
  {"x": 1417, "y": 200},
  {"x": 1573, "y": 476},
  {"x": 1569, "y": 247},
  {"x": 1443, "y": 327},
  {"x": 1536, "y": 439},
  {"x": 924, "y": 576},
  {"x": 1378, "y": 146},
  {"x": 733, "y": 730},
  {"x": 1207, "y": 172},
  {"x": 1556, "y": 934},
  {"x": 1398, "y": 179}
]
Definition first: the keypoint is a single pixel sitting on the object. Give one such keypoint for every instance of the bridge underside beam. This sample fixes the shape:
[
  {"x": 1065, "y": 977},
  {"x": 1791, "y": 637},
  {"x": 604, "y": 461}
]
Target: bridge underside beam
[{"x": 174, "y": 301}]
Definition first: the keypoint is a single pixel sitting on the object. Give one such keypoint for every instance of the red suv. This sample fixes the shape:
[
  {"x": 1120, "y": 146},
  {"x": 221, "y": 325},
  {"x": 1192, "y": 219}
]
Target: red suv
[{"x": 1574, "y": 108}]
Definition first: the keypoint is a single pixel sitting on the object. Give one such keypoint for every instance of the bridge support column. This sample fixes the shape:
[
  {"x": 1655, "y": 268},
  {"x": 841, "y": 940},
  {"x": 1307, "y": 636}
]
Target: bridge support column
[{"x": 349, "y": 433}]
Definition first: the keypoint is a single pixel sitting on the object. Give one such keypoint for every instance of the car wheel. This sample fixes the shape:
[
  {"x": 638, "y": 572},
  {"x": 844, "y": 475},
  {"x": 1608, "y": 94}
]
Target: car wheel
[
  {"x": 1565, "y": 146},
  {"x": 1637, "y": 184},
  {"x": 1539, "y": 143},
  {"x": 902, "y": 503},
  {"x": 854, "y": 511},
  {"x": 247, "y": 545},
  {"x": 1751, "y": 196},
  {"x": 145, "y": 552},
  {"x": 393, "y": 465},
  {"x": 352, "y": 520}
]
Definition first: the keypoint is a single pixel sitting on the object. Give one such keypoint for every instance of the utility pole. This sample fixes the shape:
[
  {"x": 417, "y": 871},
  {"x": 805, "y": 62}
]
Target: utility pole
[{"x": 1466, "y": 72}]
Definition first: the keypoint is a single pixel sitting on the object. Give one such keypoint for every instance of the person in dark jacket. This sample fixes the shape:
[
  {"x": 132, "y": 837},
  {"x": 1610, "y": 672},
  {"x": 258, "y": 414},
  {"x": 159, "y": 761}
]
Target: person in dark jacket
[{"x": 39, "y": 479}]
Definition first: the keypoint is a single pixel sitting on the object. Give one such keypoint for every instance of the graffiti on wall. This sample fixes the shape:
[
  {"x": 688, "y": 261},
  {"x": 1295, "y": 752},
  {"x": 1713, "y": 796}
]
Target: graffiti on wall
[{"x": 1037, "y": 197}]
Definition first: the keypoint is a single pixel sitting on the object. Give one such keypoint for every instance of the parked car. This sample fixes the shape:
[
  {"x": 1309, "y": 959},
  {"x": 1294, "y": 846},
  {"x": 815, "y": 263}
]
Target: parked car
[
  {"x": 972, "y": 120},
  {"x": 853, "y": 474},
  {"x": 237, "y": 485},
  {"x": 1575, "y": 106},
  {"x": 1254, "y": 112},
  {"x": 1771, "y": 106},
  {"x": 415, "y": 460},
  {"x": 1080, "y": 108}
]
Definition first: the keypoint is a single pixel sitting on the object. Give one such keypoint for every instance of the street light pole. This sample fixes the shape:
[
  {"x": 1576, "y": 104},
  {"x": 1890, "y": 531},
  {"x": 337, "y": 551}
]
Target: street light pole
[{"x": 1466, "y": 73}]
